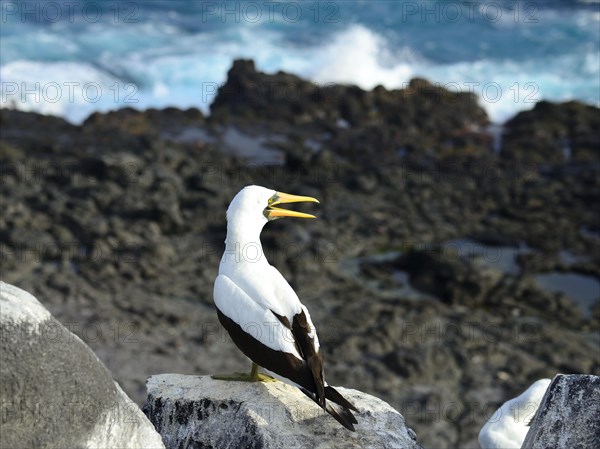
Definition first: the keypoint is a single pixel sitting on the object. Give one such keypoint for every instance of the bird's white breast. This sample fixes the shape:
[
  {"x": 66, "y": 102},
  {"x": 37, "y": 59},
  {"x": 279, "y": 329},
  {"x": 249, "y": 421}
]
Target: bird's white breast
[{"x": 264, "y": 285}]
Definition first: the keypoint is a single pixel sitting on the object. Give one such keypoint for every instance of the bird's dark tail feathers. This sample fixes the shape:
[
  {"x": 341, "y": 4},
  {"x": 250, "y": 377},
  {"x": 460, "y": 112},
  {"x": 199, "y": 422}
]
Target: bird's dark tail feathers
[{"x": 341, "y": 410}]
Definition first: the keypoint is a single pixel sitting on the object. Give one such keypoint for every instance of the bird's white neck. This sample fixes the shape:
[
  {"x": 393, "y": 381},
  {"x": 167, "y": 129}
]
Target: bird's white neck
[{"x": 242, "y": 244}]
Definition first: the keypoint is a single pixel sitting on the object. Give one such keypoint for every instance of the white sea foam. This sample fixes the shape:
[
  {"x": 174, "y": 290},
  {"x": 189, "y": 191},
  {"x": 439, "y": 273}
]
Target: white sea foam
[
  {"x": 360, "y": 56},
  {"x": 69, "y": 89},
  {"x": 186, "y": 70}
]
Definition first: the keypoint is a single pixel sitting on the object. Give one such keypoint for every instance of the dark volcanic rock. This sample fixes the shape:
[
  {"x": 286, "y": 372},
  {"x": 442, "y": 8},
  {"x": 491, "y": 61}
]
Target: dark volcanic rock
[
  {"x": 569, "y": 414},
  {"x": 423, "y": 118},
  {"x": 131, "y": 123},
  {"x": 553, "y": 133},
  {"x": 17, "y": 127},
  {"x": 446, "y": 277}
]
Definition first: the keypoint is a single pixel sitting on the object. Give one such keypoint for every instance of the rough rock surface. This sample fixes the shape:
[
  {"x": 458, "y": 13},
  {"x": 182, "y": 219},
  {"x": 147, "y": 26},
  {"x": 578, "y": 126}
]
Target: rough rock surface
[
  {"x": 422, "y": 119},
  {"x": 569, "y": 414},
  {"x": 554, "y": 133},
  {"x": 198, "y": 411},
  {"x": 53, "y": 389}
]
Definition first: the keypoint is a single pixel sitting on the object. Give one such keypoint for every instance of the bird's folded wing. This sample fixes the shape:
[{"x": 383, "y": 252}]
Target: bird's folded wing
[
  {"x": 266, "y": 287},
  {"x": 306, "y": 339},
  {"x": 253, "y": 318}
]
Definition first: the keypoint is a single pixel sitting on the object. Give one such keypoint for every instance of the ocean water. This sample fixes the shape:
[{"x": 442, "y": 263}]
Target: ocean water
[
  {"x": 585, "y": 290},
  {"x": 71, "y": 58}
]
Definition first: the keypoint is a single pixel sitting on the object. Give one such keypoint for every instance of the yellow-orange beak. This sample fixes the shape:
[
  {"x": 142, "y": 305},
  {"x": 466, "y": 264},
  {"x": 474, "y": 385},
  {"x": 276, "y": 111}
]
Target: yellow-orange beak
[{"x": 272, "y": 212}]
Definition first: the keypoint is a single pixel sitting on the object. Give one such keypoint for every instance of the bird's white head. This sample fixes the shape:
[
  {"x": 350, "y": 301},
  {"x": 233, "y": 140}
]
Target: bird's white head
[
  {"x": 257, "y": 204},
  {"x": 253, "y": 207}
]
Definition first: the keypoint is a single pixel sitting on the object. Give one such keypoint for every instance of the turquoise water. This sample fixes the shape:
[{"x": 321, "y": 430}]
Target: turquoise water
[
  {"x": 80, "y": 57},
  {"x": 585, "y": 290},
  {"x": 502, "y": 258}
]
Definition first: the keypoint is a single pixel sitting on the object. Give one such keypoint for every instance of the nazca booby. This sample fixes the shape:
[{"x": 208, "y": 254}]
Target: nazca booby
[{"x": 262, "y": 313}]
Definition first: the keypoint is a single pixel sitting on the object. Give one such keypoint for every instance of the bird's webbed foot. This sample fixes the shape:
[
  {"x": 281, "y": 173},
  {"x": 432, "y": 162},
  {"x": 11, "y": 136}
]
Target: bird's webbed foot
[{"x": 253, "y": 376}]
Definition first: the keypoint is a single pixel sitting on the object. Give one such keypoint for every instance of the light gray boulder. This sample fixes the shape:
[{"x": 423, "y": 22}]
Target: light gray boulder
[
  {"x": 568, "y": 416},
  {"x": 198, "y": 411},
  {"x": 54, "y": 391}
]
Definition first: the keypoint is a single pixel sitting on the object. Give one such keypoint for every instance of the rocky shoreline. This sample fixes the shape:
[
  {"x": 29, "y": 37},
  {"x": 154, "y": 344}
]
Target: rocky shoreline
[{"x": 121, "y": 221}]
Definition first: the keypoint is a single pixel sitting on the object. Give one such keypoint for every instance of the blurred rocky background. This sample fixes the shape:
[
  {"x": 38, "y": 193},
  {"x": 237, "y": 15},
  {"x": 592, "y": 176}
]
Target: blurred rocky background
[{"x": 452, "y": 265}]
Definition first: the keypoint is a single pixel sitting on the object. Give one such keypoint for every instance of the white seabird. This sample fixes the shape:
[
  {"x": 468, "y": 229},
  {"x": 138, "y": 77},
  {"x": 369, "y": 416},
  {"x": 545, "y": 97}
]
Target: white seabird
[
  {"x": 508, "y": 426},
  {"x": 262, "y": 313}
]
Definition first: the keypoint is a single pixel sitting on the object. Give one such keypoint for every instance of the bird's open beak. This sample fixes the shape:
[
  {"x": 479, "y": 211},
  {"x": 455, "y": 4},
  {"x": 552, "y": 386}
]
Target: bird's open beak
[{"x": 272, "y": 212}]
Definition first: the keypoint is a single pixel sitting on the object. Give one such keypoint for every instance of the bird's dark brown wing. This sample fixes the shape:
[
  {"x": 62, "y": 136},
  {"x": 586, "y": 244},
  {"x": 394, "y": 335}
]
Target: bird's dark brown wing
[{"x": 301, "y": 330}]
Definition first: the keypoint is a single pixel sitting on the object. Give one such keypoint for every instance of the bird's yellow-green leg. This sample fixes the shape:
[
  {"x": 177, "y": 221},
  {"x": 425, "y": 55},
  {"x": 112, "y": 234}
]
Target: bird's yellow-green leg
[{"x": 254, "y": 376}]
